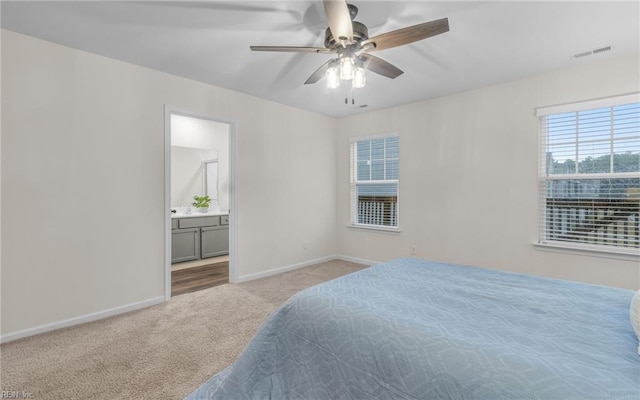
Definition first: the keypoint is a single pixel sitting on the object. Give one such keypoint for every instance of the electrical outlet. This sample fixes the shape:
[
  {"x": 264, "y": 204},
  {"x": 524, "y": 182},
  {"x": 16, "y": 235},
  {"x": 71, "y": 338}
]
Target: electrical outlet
[{"x": 412, "y": 250}]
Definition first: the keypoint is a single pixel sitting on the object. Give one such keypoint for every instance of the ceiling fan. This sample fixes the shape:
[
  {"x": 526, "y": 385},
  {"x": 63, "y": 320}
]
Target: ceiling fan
[{"x": 350, "y": 40}]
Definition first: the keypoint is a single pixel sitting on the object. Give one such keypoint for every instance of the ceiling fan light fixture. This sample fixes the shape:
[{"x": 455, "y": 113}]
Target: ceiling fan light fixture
[
  {"x": 349, "y": 41},
  {"x": 333, "y": 77}
]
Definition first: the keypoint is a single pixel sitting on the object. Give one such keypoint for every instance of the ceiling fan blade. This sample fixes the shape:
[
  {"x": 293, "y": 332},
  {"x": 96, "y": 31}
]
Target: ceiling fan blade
[
  {"x": 408, "y": 35},
  {"x": 293, "y": 49},
  {"x": 339, "y": 20},
  {"x": 319, "y": 73},
  {"x": 380, "y": 66}
]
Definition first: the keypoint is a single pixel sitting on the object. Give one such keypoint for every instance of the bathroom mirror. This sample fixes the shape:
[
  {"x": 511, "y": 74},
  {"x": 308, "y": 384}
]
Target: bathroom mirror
[{"x": 211, "y": 180}]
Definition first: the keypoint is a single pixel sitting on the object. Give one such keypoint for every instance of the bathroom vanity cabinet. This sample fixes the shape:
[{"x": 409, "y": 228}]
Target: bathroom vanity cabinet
[{"x": 195, "y": 237}]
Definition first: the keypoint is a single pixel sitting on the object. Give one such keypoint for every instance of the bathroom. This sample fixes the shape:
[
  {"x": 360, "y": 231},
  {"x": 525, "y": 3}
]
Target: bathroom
[{"x": 200, "y": 183}]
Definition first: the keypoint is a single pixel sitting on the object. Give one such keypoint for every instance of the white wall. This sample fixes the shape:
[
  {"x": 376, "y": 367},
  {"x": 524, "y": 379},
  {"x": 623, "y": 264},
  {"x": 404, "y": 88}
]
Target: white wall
[
  {"x": 468, "y": 176},
  {"x": 197, "y": 133},
  {"x": 83, "y": 181}
]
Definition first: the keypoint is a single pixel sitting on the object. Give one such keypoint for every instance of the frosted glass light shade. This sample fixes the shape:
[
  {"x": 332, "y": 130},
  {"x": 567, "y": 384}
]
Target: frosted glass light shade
[
  {"x": 346, "y": 68},
  {"x": 333, "y": 78},
  {"x": 359, "y": 78}
]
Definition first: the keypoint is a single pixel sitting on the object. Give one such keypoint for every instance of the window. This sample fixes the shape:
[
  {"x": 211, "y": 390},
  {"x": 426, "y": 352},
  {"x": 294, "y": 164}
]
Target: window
[
  {"x": 590, "y": 174},
  {"x": 374, "y": 182}
]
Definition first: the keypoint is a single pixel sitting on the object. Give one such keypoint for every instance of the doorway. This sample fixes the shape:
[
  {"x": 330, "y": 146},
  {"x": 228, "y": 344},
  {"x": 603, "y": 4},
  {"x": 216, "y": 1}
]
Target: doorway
[{"x": 199, "y": 233}]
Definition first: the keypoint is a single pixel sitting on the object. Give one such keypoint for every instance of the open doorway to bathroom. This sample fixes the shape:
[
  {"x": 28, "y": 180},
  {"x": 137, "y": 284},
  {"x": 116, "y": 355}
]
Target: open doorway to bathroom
[{"x": 199, "y": 197}]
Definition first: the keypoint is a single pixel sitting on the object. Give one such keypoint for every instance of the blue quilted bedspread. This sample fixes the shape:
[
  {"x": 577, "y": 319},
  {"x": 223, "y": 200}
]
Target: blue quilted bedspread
[{"x": 412, "y": 329}]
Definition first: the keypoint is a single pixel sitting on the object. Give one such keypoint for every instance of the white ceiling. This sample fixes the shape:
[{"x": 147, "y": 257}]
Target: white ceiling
[{"x": 488, "y": 42}]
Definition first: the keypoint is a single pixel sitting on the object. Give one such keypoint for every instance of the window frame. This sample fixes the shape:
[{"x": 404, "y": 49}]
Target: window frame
[
  {"x": 605, "y": 250},
  {"x": 354, "y": 182}
]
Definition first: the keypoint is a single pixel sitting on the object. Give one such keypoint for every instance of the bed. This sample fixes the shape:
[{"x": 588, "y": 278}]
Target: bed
[{"x": 414, "y": 329}]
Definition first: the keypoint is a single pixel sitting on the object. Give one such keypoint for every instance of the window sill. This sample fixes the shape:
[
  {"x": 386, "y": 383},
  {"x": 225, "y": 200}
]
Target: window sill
[
  {"x": 586, "y": 250},
  {"x": 374, "y": 228}
]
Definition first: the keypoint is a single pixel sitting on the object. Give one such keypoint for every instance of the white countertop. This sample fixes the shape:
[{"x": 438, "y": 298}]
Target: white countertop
[{"x": 196, "y": 214}]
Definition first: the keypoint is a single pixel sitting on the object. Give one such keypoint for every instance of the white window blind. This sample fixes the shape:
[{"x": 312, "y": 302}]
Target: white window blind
[
  {"x": 374, "y": 182},
  {"x": 590, "y": 175}
]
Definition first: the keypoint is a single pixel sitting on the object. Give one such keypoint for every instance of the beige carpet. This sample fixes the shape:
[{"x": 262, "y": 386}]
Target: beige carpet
[{"x": 162, "y": 352}]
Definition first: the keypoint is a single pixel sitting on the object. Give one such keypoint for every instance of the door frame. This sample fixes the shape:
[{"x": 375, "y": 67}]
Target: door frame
[{"x": 233, "y": 200}]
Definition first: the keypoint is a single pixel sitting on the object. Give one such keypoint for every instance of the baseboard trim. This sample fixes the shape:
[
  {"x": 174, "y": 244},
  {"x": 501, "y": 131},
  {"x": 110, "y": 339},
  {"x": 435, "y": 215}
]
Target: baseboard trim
[
  {"x": 276, "y": 271},
  {"x": 9, "y": 337},
  {"x": 355, "y": 260}
]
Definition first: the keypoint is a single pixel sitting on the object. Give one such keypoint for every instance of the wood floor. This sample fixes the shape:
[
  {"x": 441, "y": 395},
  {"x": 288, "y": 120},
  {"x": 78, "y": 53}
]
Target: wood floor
[{"x": 197, "y": 278}]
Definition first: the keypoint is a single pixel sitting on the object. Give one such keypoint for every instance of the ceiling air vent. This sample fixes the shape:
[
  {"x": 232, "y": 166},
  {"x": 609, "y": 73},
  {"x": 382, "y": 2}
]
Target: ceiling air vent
[
  {"x": 592, "y": 52},
  {"x": 601, "y": 49}
]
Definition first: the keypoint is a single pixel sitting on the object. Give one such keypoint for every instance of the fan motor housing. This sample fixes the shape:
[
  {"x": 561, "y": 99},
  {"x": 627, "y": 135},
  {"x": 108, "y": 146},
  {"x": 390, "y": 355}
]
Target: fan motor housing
[{"x": 360, "y": 33}]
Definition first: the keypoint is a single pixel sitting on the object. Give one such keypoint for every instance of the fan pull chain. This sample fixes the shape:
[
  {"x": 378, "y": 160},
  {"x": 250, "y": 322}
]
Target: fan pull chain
[{"x": 346, "y": 97}]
